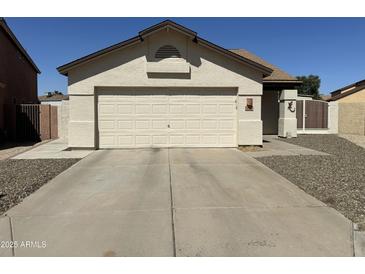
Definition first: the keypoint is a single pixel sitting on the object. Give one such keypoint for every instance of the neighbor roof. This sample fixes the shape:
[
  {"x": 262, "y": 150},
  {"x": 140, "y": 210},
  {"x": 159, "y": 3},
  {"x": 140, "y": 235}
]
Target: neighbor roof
[
  {"x": 166, "y": 24},
  {"x": 7, "y": 30},
  {"x": 53, "y": 97},
  {"x": 277, "y": 75},
  {"x": 356, "y": 84},
  {"x": 352, "y": 88}
]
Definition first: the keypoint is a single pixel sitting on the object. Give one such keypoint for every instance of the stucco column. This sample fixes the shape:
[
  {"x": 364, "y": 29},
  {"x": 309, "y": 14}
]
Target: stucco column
[
  {"x": 333, "y": 117},
  {"x": 287, "y": 113},
  {"x": 249, "y": 120}
]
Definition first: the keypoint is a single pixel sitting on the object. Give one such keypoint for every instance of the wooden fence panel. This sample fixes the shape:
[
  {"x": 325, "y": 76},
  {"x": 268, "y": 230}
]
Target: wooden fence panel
[
  {"x": 45, "y": 122},
  {"x": 54, "y": 122}
]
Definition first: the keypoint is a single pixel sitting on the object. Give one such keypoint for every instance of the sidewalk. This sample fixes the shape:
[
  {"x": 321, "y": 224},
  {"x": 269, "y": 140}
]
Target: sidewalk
[
  {"x": 12, "y": 149},
  {"x": 273, "y": 146},
  {"x": 53, "y": 150}
]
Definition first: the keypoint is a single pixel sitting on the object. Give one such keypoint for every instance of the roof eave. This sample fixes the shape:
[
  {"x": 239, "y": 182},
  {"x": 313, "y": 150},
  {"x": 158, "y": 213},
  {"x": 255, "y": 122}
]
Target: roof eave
[
  {"x": 283, "y": 81},
  {"x": 65, "y": 68},
  {"x": 193, "y": 35}
]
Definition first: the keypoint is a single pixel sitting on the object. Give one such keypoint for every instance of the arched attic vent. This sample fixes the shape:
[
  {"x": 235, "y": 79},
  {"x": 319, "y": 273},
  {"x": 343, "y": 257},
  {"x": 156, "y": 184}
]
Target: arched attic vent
[{"x": 167, "y": 51}]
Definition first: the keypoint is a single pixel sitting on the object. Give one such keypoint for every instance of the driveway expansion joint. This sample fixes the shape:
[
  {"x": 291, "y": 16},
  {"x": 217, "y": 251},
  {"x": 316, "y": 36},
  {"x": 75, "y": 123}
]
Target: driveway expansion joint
[
  {"x": 172, "y": 207},
  {"x": 11, "y": 235}
]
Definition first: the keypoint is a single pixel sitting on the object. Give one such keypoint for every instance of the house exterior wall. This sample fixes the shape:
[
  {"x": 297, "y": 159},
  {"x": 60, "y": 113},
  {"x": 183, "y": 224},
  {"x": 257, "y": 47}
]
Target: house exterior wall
[
  {"x": 128, "y": 68},
  {"x": 18, "y": 83},
  {"x": 63, "y": 119},
  {"x": 270, "y": 111}
]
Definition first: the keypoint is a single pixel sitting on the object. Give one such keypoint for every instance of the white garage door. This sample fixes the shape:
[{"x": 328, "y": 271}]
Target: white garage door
[{"x": 153, "y": 118}]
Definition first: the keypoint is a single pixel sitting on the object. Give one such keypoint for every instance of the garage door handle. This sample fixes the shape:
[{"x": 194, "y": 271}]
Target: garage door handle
[{"x": 168, "y": 126}]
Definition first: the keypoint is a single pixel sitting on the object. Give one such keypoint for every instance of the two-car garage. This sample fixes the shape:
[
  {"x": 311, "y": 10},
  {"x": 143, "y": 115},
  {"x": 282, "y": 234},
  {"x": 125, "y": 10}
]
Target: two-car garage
[
  {"x": 166, "y": 117},
  {"x": 167, "y": 87}
]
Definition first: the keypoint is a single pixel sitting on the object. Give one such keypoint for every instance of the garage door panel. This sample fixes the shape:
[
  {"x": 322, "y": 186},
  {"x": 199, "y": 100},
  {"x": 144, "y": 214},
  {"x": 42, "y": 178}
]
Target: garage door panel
[
  {"x": 107, "y": 109},
  {"x": 143, "y": 140},
  {"x": 126, "y": 140},
  {"x": 107, "y": 140},
  {"x": 107, "y": 124},
  {"x": 177, "y": 140},
  {"x": 192, "y": 124},
  {"x": 160, "y": 109},
  {"x": 226, "y": 124},
  {"x": 143, "y": 109},
  {"x": 192, "y": 109},
  {"x": 126, "y": 109},
  {"x": 176, "y": 109},
  {"x": 143, "y": 124},
  {"x": 158, "y": 140},
  {"x": 181, "y": 119},
  {"x": 177, "y": 124},
  {"x": 209, "y": 139},
  {"x": 209, "y": 124},
  {"x": 192, "y": 140},
  {"x": 210, "y": 109},
  {"x": 125, "y": 124},
  {"x": 227, "y": 108}
]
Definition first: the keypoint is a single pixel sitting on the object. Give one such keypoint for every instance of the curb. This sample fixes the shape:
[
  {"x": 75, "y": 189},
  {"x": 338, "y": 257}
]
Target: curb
[{"x": 359, "y": 241}]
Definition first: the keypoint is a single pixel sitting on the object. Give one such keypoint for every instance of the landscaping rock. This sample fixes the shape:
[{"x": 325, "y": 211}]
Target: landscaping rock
[
  {"x": 337, "y": 180},
  {"x": 19, "y": 178}
]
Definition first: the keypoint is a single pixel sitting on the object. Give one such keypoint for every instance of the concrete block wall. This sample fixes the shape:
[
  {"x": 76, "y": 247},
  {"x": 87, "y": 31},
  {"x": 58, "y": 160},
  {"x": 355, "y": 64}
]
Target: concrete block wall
[{"x": 351, "y": 118}]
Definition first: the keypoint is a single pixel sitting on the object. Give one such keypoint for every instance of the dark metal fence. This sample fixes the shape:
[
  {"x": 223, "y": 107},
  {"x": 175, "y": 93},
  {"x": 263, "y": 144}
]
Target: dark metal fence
[
  {"x": 36, "y": 122},
  {"x": 27, "y": 122}
]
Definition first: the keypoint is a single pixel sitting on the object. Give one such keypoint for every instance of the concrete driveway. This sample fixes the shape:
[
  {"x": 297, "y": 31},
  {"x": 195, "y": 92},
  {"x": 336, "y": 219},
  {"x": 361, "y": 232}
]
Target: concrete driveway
[{"x": 174, "y": 202}]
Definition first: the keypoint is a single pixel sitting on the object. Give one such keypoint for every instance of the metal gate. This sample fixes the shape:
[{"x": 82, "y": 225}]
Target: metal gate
[
  {"x": 36, "y": 122},
  {"x": 312, "y": 114},
  {"x": 27, "y": 123}
]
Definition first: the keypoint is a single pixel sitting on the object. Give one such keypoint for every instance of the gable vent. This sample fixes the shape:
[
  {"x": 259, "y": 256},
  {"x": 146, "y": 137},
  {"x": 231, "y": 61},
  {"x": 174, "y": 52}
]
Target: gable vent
[{"x": 167, "y": 51}]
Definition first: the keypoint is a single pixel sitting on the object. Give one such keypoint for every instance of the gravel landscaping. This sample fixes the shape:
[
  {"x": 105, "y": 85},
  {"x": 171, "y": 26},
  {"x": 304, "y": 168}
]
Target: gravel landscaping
[
  {"x": 19, "y": 178},
  {"x": 337, "y": 180}
]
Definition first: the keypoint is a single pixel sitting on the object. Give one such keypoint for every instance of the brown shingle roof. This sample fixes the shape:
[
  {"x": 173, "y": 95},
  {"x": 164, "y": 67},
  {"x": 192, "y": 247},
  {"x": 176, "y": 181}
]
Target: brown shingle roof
[{"x": 277, "y": 74}]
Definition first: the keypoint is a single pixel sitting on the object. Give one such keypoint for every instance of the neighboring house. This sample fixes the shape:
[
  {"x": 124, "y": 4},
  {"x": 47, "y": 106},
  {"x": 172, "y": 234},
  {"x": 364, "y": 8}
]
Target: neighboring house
[
  {"x": 18, "y": 79},
  {"x": 325, "y": 97},
  {"x": 353, "y": 93},
  {"x": 53, "y": 98},
  {"x": 168, "y": 87},
  {"x": 351, "y": 108}
]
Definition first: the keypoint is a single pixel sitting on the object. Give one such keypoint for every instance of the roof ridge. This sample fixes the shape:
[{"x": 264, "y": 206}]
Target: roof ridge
[{"x": 278, "y": 73}]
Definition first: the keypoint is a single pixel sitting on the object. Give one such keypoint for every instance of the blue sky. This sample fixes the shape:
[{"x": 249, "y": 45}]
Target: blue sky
[{"x": 333, "y": 48}]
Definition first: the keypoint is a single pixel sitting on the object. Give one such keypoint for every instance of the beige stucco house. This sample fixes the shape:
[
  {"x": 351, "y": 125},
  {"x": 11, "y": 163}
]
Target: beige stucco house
[
  {"x": 167, "y": 87},
  {"x": 351, "y": 108}
]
